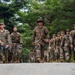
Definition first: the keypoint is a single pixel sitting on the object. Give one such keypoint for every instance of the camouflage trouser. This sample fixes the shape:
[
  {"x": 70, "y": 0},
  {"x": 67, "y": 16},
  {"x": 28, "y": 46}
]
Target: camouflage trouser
[
  {"x": 1, "y": 54},
  {"x": 57, "y": 53},
  {"x": 32, "y": 59},
  {"x": 67, "y": 53},
  {"x": 74, "y": 53},
  {"x": 39, "y": 51},
  {"x": 46, "y": 56},
  {"x": 6, "y": 53},
  {"x": 52, "y": 55},
  {"x": 61, "y": 54},
  {"x": 17, "y": 52}
]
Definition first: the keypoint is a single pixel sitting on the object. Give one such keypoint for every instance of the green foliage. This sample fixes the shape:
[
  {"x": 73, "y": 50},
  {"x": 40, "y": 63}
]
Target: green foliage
[{"x": 26, "y": 35}]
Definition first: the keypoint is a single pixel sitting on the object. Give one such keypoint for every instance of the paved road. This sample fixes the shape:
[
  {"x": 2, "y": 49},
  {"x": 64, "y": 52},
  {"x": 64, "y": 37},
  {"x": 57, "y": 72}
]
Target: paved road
[{"x": 38, "y": 69}]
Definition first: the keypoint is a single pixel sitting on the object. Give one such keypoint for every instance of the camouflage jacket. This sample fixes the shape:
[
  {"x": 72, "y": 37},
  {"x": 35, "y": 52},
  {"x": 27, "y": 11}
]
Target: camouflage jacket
[
  {"x": 40, "y": 33},
  {"x": 5, "y": 37},
  {"x": 16, "y": 37},
  {"x": 66, "y": 41},
  {"x": 58, "y": 41},
  {"x": 52, "y": 43},
  {"x": 72, "y": 33}
]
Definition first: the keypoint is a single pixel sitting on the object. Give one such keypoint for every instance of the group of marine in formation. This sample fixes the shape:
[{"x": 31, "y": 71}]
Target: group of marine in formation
[{"x": 60, "y": 48}]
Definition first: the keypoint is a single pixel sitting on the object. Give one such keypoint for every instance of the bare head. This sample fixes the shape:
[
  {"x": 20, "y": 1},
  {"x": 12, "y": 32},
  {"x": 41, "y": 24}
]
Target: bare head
[{"x": 15, "y": 29}]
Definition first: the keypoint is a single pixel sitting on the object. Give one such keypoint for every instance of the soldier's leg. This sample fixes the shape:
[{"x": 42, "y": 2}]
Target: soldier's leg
[
  {"x": 38, "y": 56},
  {"x": 1, "y": 55},
  {"x": 10, "y": 57},
  {"x": 1, "y": 58},
  {"x": 67, "y": 55},
  {"x": 61, "y": 55},
  {"x": 46, "y": 56},
  {"x": 70, "y": 53},
  {"x": 5, "y": 52},
  {"x": 32, "y": 59},
  {"x": 56, "y": 54},
  {"x": 37, "y": 52},
  {"x": 15, "y": 57},
  {"x": 42, "y": 54},
  {"x": 19, "y": 53},
  {"x": 58, "y": 58},
  {"x": 74, "y": 54},
  {"x": 6, "y": 55},
  {"x": 14, "y": 53},
  {"x": 50, "y": 55}
]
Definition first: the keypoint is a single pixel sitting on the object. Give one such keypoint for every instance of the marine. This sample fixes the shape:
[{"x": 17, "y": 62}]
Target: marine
[
  {"x": 72, "y": 33},
  {"x": 67, "y": 45},
  {"x": 6, "y": 40},
  {"x": 61, "y": 48},
  {"x": 52, "y": 46},
  {"x": 57, "y": 49},
  {"x": 40, "y": 39},
  {"x": 16, "y": 46}
]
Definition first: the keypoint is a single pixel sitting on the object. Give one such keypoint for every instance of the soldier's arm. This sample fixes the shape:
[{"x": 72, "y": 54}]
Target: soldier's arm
[
  {"x": 47, "y": 33},
  {"x": 9, "y": 38},
  {"x": 56, "y": 41},
  {"x": 71, "y": 41},
  {"x": 11, "y": 35},
  {"x": 50, "y": 43},
  {"x": 62, "y": 42},
  {"x": 71, "y": 33}
]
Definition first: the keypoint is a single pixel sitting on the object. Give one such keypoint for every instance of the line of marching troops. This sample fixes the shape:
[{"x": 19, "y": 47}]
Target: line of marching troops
[
  {"x": 10, "y": 45},
  {"x": 60, "y": 48}
]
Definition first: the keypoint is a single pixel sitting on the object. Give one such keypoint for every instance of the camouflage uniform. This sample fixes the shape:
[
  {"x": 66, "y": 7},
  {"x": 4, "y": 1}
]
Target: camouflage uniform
[
  {"x": 16, "y": 46},
  {"x": 32, "y": 56},
  {"x": 66, "y": 42},
  {"x": 73, "y": 38},
  {"x": 52, "y": 48},
  {"x": 5, "y": 37},
  {"x": 1, "y": 51},
  {"x": 38, "y": 37},
  {"x": 61, "y": 48},
  {"x": 57, "y": 50}
]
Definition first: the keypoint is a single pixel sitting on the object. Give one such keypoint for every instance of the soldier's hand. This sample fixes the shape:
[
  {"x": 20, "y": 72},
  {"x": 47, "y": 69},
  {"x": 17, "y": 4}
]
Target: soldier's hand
[
  {"x": 46, "y": 40},
  {"x": 20, "y": 45},
  {"x": 50, "y": 48},
  {"x": 33, "y": 43},
  {"x": 54, "y": 49},
  {"x": 71, "y": 46},
  {"x": 49, "y": 51}
]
